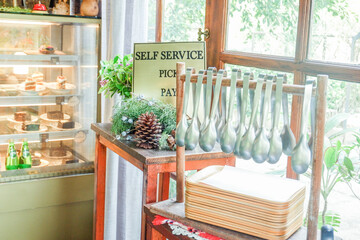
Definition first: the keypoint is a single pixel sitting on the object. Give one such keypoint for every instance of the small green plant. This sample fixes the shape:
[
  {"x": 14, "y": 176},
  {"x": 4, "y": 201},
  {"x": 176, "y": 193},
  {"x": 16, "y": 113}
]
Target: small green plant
[
  {"x": 116, "y": 76},
  {"x": 15, "y": 9},
  {"x": 126, "y": 114},
  {"x": 338, "y": 165},
  {"x": 353, "y": 175}
]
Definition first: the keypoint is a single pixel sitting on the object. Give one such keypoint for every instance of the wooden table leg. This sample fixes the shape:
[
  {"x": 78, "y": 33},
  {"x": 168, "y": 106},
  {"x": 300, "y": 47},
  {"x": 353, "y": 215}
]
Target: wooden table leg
[
  {"x": 163, "y": 194},
  {"x": 231, "y": 161},
  {"x": 149, "y": 195},
  {"x": 164, "y": 184},
  {"x": 152, "y": 234},
  {"x": 99, "y": 199}
]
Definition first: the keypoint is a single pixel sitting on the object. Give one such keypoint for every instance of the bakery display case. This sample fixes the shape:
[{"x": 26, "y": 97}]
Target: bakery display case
[{"x": 48, "y": 92}]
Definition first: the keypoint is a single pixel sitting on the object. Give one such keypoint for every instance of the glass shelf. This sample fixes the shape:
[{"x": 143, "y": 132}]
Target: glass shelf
[
  {"x": 50, "y": 171},
  {"x": 29, "y": 59},
  {"x": 79, "y": 135},
  {"x": 45, "y": 100},
  {"x": 51, "y": 17}
]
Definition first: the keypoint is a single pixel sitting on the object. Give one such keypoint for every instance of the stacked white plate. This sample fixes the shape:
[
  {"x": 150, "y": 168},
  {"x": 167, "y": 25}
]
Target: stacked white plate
[{"x": 261, "y": 205}]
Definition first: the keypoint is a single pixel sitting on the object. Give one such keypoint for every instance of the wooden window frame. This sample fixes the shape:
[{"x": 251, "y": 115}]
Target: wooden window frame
[
  {"x": 218, "y": 56},
  {"x": 216, "y": 21},
  {"x": 159, "y": 20},
  {"x": 299, "y": 65}
]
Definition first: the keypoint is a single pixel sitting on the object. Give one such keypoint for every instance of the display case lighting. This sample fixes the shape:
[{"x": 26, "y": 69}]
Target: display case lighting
[
  {"x": 27, "y": 22},
  {"x": 38, "y": 141},
  {"x": 89, "y": 66},
  {"x": 19, "y": 142},
  {"x": 20, "y": 69},
  {"x": 36, "y": 66},
  {"x": 32, "y": 104},
  {"x": 61, "y": 139}
]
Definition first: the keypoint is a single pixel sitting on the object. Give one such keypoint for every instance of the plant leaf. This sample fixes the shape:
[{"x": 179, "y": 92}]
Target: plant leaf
[
  {"x": 348, "y": 164},
  {"x": 330, "y": 157},
  {"x": 116, "y": 59},
  {"x": 357, "y": 138},
  {"x": 335, "y": 121},
  {"x": 338, "y": 146},
  {"x": 339, "y": 133}
]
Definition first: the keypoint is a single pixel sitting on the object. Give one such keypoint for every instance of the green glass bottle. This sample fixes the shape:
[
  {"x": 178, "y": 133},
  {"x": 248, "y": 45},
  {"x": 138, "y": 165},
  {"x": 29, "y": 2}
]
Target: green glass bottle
[
  {"x": 12, "y": 160},
  {"x": 25, "y": 156}
]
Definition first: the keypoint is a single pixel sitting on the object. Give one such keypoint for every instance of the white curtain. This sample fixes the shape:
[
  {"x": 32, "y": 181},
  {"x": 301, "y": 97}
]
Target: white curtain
[{"x": 124, "y": 22}]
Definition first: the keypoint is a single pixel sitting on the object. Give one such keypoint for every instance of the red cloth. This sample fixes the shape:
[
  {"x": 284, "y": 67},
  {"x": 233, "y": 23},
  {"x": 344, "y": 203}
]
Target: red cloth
[{"x": 162, "y": 220}]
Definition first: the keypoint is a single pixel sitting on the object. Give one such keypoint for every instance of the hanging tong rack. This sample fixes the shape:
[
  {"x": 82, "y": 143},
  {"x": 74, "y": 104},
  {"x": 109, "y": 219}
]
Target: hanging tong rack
[
  {"x": 319, "y": 92},
  {"x": 293, "y": 89}
]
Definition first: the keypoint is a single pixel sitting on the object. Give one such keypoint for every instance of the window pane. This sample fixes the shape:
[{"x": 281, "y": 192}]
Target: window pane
[
  {"x": 182, "y": 19},
  {"x": 151, "y": 20},
  {"x": 267, "y": 27},
  {"x": 335, "y": 31}
]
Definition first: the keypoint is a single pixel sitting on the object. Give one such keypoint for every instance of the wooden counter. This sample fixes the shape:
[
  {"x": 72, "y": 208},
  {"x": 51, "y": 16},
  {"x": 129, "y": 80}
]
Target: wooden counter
[
  {"x": 153, "y": 163},
  {"x": 176, "y": 211}
]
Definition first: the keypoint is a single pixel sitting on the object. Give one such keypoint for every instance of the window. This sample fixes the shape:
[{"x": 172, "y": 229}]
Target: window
[
  {"x": 335, "y": 31},
  {"x": 182, "y": 19},
  {"x": 301, "y": 38},
  {"x": 151, "y": 20},
  {"x": 267, "y": 27}
]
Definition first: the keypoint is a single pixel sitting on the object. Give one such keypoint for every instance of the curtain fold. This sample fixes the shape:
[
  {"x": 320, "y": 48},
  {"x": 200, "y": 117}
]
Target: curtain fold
[{"x": 124, "y": 22}]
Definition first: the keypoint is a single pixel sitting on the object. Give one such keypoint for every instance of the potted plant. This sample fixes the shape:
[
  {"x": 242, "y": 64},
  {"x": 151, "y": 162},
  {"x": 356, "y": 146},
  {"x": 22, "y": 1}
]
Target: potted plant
[{"x": 116, "y": 76}]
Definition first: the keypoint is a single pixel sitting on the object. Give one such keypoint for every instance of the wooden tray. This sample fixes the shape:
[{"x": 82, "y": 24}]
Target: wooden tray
[
  {"x": 246, "y": 229},
  {"x": 240, "y": 219},
  {"x": 246, "y": 211},
  {"x": 230, "y": 197},
  {"x": 223, "y": 196},
  {"x": 196, "y": 183},
  {"x": 242, "y": 203}
]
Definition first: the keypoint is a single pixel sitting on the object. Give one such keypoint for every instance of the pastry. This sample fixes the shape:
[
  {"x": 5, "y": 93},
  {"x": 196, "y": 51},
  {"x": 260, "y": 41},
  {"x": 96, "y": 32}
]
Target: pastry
[
  {"x": 35, "y": 162},
  {"x": 22, "y": 116},
  {"x": 72, "y": 161},
  {"x": 39, "y": 8},
  {"x": 11, "y": 79},
  {"x": 57, "y": 152},
  {"x": 55, "y": 115},
  {"x": 31, "y": 127},
  {"x": 30, "y": 84},
  {"x": 66, "y": 125},
  {"x": 61, "y": 8},
  {"x": 89, "y": 8},
  {"x": 61, "y": 82},
  {"x": 47, "y": 49},
  {"x": 38, "y": 77}
]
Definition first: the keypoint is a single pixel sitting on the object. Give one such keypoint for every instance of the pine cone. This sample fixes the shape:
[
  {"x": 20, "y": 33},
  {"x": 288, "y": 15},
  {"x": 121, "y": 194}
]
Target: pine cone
[
  {"x": 171, "y": 142},
  {"x": 147, "y": 131}
]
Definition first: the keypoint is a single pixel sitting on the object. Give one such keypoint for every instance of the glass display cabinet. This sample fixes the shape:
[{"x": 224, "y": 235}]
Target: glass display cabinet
[{"x": 48, "y": 92}]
